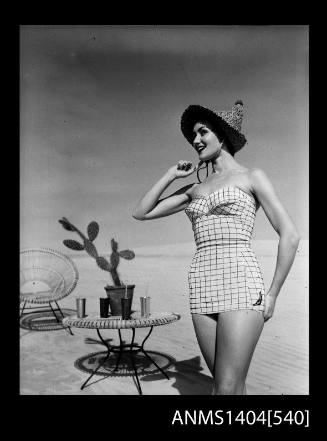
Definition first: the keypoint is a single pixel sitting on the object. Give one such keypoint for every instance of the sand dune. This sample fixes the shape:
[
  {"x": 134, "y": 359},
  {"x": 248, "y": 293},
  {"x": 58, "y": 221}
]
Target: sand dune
[{"x": 280, "y": 362}]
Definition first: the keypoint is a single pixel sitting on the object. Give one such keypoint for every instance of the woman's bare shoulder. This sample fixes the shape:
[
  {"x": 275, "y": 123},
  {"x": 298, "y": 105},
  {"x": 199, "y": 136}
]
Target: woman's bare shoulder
[
  {"x": 256, "y": 175},
  {"x": 255, "y": 171},
  {"x": 259, "y": 182}
]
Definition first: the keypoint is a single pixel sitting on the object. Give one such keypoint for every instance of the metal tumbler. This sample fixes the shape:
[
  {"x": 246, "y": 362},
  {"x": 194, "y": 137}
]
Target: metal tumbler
[
  {"x": 145, "y": 306},
  {"x": 80, "y": 307},
  {"x": 104, "y": 307}
]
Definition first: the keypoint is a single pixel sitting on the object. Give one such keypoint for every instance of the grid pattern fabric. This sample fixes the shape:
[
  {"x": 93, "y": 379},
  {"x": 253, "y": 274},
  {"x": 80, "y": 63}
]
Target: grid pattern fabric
[{"x": 224, "y": 274}]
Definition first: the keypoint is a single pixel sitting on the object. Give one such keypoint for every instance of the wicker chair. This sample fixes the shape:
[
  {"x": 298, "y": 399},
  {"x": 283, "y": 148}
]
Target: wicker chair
[{"x": 46, "y": 276}]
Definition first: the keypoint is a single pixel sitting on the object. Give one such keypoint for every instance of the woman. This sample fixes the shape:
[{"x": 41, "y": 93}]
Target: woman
[{"x": 228, "y": 301}]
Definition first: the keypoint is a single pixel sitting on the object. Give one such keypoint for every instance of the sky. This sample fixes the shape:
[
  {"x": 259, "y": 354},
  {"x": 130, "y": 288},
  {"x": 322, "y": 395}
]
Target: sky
[{"x": 100, "y": 110}]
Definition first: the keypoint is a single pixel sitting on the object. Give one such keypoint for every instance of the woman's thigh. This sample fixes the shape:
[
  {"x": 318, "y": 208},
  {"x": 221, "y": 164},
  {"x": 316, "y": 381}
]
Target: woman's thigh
[
  {"x": 205, "y": 326},
  {"x": 237, "y": 335}
]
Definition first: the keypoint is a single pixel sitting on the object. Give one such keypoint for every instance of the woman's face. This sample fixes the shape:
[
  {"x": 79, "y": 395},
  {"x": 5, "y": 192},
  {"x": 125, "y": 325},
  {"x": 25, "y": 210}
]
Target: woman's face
[{"x": 206, "y": 142}]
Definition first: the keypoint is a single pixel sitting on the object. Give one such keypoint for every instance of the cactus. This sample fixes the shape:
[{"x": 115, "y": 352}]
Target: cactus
[{"x": 89, "y": 247}]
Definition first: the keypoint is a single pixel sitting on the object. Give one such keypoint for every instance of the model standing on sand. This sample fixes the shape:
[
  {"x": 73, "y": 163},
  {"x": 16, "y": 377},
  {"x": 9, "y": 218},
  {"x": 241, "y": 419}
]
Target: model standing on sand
[{"x": 228, "y": 301}]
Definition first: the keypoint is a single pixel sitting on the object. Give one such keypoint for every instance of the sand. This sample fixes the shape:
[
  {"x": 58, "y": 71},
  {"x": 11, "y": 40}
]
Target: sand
[{"x": 49, "y": 359}]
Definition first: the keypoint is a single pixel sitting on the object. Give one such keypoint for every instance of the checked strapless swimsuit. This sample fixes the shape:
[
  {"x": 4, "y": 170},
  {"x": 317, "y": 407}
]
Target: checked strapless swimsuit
[{"x": 224, "y": 274}]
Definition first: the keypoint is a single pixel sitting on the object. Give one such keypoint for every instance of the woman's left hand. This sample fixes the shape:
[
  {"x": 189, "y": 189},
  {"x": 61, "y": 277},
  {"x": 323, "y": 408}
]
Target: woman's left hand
[{"x": 269, "y": 307}]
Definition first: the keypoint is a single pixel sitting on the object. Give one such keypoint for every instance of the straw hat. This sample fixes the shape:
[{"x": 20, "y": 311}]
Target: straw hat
[{"x": 227, "y": 123}]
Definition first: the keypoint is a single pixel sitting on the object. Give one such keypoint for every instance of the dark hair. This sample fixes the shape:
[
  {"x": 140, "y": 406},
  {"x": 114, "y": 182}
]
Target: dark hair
[
  {"x": 229, "y": 146},
  {"x": 223, "y": 138}
]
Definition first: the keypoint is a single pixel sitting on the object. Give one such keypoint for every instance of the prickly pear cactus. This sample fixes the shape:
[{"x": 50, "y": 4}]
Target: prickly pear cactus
[{"x": 89, "y": 247}]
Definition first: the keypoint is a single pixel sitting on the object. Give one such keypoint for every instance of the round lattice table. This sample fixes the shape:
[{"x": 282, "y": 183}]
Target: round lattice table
[{"x": 116, "y": 322}]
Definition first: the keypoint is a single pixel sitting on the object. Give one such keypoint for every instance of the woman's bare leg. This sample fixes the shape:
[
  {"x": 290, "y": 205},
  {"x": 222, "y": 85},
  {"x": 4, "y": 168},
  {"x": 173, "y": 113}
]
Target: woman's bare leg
[
  {"x": 237, "y": 335},
  {"x": 206, "y": 330}
]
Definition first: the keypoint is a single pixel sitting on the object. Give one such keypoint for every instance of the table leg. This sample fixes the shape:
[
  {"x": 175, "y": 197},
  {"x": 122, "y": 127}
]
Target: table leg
[
  {"x": 133, "y": 363},
  {"x": 120, "y": 350},
  {"x": 150, "y": 358},
  {"x": 131, "y": 354},
  {"x": 101, "y": 364},
  {"x": 145, "y": 339}
]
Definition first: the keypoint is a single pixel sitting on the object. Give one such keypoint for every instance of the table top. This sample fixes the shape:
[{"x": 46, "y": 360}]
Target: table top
[{"x": 93, "y": 321}]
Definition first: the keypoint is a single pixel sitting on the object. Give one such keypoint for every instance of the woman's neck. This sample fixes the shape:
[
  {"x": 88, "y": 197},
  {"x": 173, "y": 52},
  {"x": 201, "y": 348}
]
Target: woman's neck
[{"x": 224, "y": 163}]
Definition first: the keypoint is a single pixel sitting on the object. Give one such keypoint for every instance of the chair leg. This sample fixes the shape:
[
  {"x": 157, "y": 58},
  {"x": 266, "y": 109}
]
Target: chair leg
[
  {"x": 21, "y": 313},
  {"x": 54, "y": 313},
  {"x": 62, "y": 314},
  {"x": 59, "y": 309}
]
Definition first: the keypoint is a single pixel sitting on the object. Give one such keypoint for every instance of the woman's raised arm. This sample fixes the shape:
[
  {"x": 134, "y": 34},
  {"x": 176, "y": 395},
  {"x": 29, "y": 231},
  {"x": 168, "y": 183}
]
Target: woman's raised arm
[{"x": 150, "y": 207}]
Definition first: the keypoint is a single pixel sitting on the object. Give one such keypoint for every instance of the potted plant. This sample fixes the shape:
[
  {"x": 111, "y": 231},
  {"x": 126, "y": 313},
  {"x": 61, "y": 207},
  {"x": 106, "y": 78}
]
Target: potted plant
[{"x": 117, "y": 291}]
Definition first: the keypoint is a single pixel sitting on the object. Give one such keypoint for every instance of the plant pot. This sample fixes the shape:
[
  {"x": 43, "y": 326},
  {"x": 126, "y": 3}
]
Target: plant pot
[{"x": 115, "y": 294}]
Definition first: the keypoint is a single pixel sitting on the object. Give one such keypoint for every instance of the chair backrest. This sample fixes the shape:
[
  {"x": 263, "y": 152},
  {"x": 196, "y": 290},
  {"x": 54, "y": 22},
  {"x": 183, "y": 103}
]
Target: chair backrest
[{"x": 46, "y": 275}]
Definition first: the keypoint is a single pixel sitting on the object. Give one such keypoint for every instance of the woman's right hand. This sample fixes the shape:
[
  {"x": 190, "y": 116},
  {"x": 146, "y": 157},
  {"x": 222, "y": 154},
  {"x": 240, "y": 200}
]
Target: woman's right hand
[{"x": 182, "y": 169}]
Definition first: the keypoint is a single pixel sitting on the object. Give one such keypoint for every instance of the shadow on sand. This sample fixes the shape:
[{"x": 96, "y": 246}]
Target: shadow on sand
[
  {"x": 44, "y": 320},
  {"x": 188, "y": 377},
  {"x": 187, "y": 373},
  {"x": 144, "y": 366}
]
